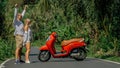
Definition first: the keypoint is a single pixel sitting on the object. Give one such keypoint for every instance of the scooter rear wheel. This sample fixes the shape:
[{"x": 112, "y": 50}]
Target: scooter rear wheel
[
  {"x": 44, "y": 56},
  {"x": 82, "y": 55}
]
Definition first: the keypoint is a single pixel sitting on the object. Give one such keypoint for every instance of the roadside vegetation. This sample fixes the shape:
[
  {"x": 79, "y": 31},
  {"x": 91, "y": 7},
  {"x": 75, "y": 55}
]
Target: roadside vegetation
[
  {"x": 97, "y": 21},
  {"x": 7, "y": 49}
]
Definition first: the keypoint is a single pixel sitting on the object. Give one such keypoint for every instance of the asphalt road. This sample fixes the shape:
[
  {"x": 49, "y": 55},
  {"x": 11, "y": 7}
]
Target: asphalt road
[{"x": 61, "y": 63}]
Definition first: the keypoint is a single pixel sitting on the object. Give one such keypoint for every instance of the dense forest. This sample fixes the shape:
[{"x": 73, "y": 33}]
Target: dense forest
[{"x": 97, "y": 21}]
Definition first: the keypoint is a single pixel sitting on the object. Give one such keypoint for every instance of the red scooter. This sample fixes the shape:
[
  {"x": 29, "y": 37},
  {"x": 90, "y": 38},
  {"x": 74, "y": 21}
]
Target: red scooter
[{"x": 75, "y": 49}]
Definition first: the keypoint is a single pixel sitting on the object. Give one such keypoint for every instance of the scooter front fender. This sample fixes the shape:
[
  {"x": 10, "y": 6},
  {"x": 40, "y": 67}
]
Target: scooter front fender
[{"x": 43, "y": 48}]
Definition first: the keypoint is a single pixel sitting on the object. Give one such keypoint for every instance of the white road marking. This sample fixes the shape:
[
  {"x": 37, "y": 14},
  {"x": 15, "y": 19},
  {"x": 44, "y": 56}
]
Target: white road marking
[
  {"x": 2, "y": 64},
  {"x": 109, "y": 61}
]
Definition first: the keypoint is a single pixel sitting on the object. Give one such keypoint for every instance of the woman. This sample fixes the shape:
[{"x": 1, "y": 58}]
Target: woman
[{"x": 27, "y": 39}]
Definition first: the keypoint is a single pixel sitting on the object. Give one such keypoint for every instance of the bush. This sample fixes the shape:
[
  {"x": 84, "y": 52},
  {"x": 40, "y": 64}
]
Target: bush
[{"x": 6, "y": 49}]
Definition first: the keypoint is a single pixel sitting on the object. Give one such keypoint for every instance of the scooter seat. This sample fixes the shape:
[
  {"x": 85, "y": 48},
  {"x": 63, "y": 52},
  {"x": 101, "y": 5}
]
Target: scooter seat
[{"x": 66, "y": 42}]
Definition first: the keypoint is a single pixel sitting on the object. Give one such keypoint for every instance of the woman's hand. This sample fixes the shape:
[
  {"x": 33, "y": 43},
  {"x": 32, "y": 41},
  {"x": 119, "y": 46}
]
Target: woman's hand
[
  {"x": 26, "y": 6},
  {"x": 16, "y": 5}
]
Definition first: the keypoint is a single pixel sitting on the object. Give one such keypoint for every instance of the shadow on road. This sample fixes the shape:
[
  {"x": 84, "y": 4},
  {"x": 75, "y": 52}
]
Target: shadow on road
[
  {"x": 69, "y": 60},
  {"x": 90, "y": 59},
  {"x": 33, "y": 54},
  {"x": 58, "y": 60},
  {"x": 53, "y": 60}
]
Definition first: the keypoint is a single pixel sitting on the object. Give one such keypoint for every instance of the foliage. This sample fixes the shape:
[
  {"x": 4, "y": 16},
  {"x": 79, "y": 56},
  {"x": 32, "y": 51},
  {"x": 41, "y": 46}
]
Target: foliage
[{"x": 6, "y": 49}]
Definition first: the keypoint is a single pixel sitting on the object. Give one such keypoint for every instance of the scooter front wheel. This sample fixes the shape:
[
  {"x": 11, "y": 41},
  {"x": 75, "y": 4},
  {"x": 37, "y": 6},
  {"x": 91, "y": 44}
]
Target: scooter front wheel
[{"x": 44, "y": 56}]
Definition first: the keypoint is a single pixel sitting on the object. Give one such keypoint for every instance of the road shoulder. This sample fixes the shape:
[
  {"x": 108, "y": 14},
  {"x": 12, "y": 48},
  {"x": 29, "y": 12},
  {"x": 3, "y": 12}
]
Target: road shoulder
[{"x": 109, "y": 61}]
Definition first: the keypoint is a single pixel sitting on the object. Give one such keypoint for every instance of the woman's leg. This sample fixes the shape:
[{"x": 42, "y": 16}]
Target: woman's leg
[{"x": 28, "y": 46}]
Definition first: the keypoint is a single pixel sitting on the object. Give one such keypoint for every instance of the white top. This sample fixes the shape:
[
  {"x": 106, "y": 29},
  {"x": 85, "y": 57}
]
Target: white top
[{"x": 27, "y": 36}]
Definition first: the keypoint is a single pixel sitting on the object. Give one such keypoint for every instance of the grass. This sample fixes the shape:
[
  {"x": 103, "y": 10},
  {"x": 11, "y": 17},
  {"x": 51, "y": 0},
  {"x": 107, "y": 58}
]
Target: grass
[
  {"x": 6, "y": 50},
  {"x": 1, "y": 61},
  {"x": 114, "y": 58},
  {"x": 38, "y": 43},
  {"x": 111, "y": 58}
]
